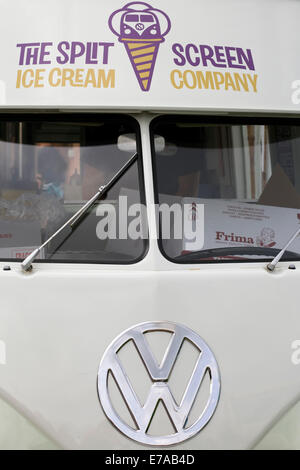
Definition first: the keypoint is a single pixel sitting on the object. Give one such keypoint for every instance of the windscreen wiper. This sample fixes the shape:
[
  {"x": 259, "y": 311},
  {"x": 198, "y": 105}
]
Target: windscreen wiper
[
  {"x": 78, "y": 216},
  {"x": 271, "y": 266},
  {"x": 266, "y": 252}
]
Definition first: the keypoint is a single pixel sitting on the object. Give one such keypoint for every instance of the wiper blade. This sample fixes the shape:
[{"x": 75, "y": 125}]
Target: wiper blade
[
  {"x": 234, "y": 251},
  {"x": 271, "y": 266},
  {"x": 78, "y": 216}
]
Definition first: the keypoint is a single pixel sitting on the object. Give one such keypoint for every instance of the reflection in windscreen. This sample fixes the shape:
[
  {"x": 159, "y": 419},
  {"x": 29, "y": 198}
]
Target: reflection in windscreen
[
  {"x": 48, "y": 170},
  {"x": 247, "y": 178}
]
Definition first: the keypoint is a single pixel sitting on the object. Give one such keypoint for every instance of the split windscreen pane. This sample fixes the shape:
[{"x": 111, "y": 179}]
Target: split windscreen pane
[
  {"x": 244, "y": 180},
  {"x": 49, "y": 168}
]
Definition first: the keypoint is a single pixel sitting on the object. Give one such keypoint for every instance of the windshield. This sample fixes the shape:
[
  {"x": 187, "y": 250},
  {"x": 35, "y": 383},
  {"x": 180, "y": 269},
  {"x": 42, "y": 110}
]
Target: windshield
[
  {"x": 237, "y": 182},
  {"x": 49, "y": 167}
]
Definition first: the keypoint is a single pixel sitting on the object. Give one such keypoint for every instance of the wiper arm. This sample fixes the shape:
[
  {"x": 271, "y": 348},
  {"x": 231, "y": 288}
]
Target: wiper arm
[
  {"x": 77, "y": 217},
  {"x": 271, "y": 266}
]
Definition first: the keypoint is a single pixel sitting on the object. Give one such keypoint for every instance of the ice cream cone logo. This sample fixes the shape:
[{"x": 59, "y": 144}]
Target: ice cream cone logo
[{"x": 141, "y": 29}]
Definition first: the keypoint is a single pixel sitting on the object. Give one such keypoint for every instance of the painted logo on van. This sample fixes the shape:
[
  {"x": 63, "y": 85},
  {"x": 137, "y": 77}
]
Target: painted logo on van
[
  {"x": 141, "y": 29},
  {"x": 198, "y": 67}
]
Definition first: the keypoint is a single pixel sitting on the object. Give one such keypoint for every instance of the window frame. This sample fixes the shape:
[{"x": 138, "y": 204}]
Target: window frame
[
  {"x": 218, "y": 119},
  {"x": 88, "y": 117}
]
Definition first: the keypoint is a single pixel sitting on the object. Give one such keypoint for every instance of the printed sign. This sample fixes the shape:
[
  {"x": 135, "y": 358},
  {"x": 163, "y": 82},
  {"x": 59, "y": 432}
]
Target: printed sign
[
  {"x": 14, "y": 234},
  {"x": 141, "y": 29},
  {"x": 151, "y": 55},
  {"x": 232, "y": 224}
]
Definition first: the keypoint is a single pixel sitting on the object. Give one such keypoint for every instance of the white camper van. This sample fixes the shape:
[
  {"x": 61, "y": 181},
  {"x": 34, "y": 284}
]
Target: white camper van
[{"x": 149, "y": 222}]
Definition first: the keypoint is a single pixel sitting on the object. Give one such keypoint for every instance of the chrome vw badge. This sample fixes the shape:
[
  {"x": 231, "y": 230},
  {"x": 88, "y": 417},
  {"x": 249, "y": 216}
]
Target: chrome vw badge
[{"x": 159, "y": 390}]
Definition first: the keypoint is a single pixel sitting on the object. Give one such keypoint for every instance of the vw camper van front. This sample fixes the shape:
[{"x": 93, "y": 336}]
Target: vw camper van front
[{"x": 149, "y": 225}]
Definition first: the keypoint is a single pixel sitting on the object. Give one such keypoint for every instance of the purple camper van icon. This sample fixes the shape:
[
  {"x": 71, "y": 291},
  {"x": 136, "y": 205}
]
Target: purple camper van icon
[
  {"x": 138, "y": 25},
  {"x": 141, "y": 29}
]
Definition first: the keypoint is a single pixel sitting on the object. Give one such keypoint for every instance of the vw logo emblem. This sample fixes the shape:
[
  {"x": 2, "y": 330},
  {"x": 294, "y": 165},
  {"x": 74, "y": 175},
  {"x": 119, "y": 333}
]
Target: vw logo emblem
[{"x": 159, "y": 390}]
